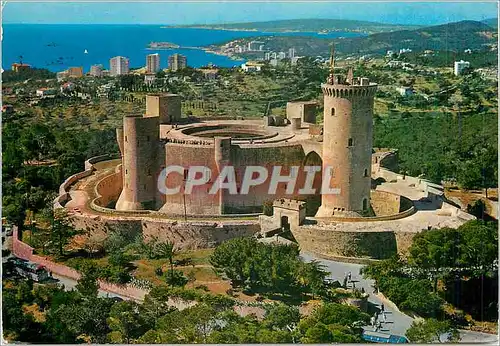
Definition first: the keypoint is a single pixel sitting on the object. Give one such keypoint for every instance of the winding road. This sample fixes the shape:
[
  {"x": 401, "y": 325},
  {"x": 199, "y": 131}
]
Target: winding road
[{"x": 396, "y": 321}]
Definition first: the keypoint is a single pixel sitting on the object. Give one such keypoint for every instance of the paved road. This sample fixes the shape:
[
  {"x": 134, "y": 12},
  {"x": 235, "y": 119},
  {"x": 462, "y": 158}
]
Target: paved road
[
  {"x": 69, "y": 284},
  {"x": 396, "y": 321}
]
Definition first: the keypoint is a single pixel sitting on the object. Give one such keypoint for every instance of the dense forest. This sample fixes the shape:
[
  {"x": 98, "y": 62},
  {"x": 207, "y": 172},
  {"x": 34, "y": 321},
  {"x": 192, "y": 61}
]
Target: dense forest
[
  {"x": 46, "y": 313},
  {"x": 27, "y": 185},
  {"x": 444, "y": 147},
  {"x": 449, "y": 274}
]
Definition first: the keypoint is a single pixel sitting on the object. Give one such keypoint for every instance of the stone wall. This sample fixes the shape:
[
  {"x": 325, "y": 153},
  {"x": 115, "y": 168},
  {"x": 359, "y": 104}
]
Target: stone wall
[
  {"x": 337, "y": 243},
  {"x": 385, "y": 203},
  {"x": 185, "y": 235},
  {"x": 194, "y": 235},
  {"x": 404, "y": 241},
  {"x": 109, "y": 189},
  {"x": 385, "y": 158},
  {"x": 306, "y": 111}
]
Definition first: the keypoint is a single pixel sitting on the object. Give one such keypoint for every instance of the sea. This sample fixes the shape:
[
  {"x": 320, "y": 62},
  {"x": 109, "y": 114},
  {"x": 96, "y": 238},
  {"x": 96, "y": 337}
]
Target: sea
[{"x": 57, "y": 47}]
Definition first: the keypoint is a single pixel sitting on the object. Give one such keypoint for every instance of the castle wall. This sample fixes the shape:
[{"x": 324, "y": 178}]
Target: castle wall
[
  {"x": 404, "y": 241},
  {"x": 338, "y": 243},
  {"x": 347, "y": 146},
  {"x": 385, "y": 203},
  {"x": 199, "y": 201},
  {"x": 185, "y": 235},
  {"x": 194, "y": 235},
  {"x": 165, "y": 106},
  {"x": 268, "y": 157},
  {"x": 119, "y": 139},
  {"x": 216, "y": 156},
  {"x": 306, "y": 111},
  {"x": 109, "y": 188},
  {"x": 140, "y": 149}
]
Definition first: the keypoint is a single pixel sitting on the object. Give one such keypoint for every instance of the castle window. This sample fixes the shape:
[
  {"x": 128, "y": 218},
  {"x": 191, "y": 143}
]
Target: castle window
[
  {"x": 145, "y": 187},
  {"x": 366, "y": 173},
  {"x": 147, "y": 138},
  {"x": 126, "y": 171},
  {"x": 185, "y": 174},
  {"x": 350, "y": 142},
  {"x": 126, "y": 139},
  {"x": 376, "y": 159},
  {"x": 149, "y": 172},
  {"x": 333, "y": 112},
  {"x": 365, "y": 204}
]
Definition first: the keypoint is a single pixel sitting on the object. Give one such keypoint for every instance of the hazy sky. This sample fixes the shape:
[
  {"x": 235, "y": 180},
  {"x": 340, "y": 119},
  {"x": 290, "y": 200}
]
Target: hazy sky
[{"x": 232, "y": 11}]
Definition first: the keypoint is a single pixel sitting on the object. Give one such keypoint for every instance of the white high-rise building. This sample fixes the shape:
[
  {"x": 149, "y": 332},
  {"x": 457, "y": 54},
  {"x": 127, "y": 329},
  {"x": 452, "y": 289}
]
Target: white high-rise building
[
  {"x": 96, "y": 70},
  {"x": 291, "y": 53},
  {"x": 460, "y": 66},
  {"x": 118, "y": 66},
  {"x": 153, "y": 63},
  {"x": 177, "y": 62}
]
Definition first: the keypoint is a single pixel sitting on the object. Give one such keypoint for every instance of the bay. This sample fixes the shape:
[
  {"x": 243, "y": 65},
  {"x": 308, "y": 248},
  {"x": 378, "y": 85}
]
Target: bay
[{"x": 57, "y": 47}]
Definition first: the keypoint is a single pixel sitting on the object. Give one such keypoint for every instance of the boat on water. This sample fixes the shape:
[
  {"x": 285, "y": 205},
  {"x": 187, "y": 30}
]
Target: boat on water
[{"x": 86, "y": 52}]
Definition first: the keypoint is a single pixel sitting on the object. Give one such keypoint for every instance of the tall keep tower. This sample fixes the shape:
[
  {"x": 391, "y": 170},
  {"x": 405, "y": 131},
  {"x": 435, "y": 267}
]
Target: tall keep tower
[{"x": 347, "y": 143}]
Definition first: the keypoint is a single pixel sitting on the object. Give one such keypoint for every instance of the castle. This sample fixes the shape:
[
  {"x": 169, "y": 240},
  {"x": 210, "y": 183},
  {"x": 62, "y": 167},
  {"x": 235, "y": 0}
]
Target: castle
[
  {"x": 373, "y": 211},
  {"x": 162, "y": 137}
]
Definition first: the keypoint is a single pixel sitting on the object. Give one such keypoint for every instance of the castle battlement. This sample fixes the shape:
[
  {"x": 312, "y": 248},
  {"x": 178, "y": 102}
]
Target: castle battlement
[
  {"x": 189, "y": 142},
  {"x": 349, "y": 91},
  {"x": 289, "y": 204}
]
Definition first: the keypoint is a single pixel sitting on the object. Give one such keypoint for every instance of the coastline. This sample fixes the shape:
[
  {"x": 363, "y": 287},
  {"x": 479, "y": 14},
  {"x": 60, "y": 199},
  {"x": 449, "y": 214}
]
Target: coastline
[{"x": 267, "y": 31}]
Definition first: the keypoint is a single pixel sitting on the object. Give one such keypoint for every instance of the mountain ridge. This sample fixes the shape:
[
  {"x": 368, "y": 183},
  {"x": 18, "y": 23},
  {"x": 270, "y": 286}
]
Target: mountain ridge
[
  {"x": 309, "y": 25},
  {"x": 455, "y": 36}
]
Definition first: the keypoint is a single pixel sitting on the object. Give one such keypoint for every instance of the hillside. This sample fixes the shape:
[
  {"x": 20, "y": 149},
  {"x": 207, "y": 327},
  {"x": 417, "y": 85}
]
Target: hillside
[
  {"x": 493, "y": 22},
  {"x": 452, "y": 36},
  {"x": 456, "y": 36},
  {"x": 308, "y": 25}
]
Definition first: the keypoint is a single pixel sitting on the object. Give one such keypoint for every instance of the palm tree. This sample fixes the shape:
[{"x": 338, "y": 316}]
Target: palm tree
[{"x": 166, "y": 250}]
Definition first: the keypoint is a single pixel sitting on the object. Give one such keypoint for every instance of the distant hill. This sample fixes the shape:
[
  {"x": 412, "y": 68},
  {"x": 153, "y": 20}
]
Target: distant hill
[
  {"x": 308, "y": 25},
  {"x": 452, "y": 36},
  {"x": 493, "y": 22},
  {"x": 449, "y": 37}
]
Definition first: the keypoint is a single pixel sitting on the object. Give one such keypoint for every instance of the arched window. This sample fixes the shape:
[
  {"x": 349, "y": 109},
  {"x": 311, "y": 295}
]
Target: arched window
[
  {"x": 333, "y": 111},
  {"x": 366, "y": 172}
]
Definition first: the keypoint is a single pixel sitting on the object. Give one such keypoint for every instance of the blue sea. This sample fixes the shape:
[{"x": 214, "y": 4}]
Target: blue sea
[{"x": 57, "y": 47}]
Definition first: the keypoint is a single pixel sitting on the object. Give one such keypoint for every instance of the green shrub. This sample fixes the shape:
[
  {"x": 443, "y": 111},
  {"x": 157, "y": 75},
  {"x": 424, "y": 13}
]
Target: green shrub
[
  {"x": 267, "y": 208},
  {"x": 176, "y": 278}
]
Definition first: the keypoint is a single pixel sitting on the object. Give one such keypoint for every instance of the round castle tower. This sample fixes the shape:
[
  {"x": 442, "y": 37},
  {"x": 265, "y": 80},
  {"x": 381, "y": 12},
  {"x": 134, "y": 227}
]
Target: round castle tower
[
  {"x": 139, "y": 142},
  {"x": 347, "y": 143}
]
